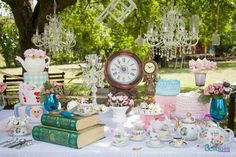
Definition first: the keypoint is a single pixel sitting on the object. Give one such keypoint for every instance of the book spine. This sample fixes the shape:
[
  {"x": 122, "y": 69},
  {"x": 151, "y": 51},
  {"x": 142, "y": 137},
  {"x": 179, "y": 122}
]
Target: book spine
[
  {"x": 58, "y": 122},
  {"x": 55, "y": 136}
]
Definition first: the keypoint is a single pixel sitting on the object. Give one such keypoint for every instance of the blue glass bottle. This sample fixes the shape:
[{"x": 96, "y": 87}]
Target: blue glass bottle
[
  {"x": 51, "y": 102},
  {"x": 218, "y": 108}
]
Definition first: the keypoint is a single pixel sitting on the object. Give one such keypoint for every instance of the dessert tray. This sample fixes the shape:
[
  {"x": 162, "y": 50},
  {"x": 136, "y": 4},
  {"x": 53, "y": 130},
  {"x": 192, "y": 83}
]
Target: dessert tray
[{"x": 148, "y": 109}]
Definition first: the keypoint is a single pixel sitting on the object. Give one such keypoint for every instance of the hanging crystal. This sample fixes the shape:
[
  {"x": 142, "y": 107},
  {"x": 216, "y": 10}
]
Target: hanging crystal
[
  {"x": 172, "y": 34},
  {"x": 54, "y": 38}
]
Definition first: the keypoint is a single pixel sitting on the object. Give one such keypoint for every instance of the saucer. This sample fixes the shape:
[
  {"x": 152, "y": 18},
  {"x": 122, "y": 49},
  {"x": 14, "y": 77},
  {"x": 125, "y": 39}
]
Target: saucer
[
  {"x": 132, "y": 138},
  {"x": 84, "y": 114},
  {"x": 149, "y": 144},
  {"x": 165, "y": 139},
  {"x": 171, "y": 143},
  {"x": 121, "y": 144}
]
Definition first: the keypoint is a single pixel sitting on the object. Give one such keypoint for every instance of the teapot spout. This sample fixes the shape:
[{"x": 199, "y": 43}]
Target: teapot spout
[{"x": 19, "y": 59}]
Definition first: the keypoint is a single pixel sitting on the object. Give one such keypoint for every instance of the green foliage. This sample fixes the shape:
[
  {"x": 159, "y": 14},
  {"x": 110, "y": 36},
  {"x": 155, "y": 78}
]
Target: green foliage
[
  {"x": 204, "y": 99},
  {"x": 109, "y": 36},
  {"x": 9, "y": 44}
]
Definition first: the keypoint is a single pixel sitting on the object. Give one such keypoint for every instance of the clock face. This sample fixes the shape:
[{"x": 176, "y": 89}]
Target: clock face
[
  {"x": 149, "y": 67},
  {"x": 124, "y": 69}
]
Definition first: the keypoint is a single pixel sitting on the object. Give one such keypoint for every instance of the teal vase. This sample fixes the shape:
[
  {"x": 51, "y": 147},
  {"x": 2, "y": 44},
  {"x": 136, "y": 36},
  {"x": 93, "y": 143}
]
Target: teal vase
[
  {"x": 218, "y": 109},
  {"x": 51, "y": 102}
]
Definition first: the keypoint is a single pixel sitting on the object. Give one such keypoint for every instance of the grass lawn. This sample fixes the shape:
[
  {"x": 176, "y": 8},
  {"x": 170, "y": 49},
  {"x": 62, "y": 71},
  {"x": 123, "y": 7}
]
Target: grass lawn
[{"x": 225, "y": 71}]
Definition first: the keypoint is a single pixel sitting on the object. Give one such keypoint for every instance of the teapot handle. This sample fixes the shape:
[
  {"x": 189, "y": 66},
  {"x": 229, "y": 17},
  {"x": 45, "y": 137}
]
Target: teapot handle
[{"x": 47, "y": 63}]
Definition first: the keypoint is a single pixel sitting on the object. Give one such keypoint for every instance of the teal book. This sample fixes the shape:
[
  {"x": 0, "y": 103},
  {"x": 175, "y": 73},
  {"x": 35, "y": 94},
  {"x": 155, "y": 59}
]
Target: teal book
[
  {"x": 76, "y": 123},
  {"x": 73, "y": 139}
]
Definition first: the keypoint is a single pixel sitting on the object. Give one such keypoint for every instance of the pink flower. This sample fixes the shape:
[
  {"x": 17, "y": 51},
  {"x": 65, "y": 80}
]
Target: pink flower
[
  {"x": 201, "y": 65},
  {"x": 210, "y": 89},
  {"x": 3, "y": 87},
  {"x": 221, "y": 90},
  {"x": 34, "y": 52},
  {"x": 206, "y": 91},
  {"x": 216, "y": 92},
  {"x": 192, "y": 64},
  {"x": 131, "y": 103}
]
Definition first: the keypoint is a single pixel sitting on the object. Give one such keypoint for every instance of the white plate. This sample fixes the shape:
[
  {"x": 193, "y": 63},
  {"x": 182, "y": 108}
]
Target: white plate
[
  {"x": 122, "y": 144},
  {"x": 148, "y": 143},
  {"x": 166, "y": 139},
  {"x": 171, "y": 143}
]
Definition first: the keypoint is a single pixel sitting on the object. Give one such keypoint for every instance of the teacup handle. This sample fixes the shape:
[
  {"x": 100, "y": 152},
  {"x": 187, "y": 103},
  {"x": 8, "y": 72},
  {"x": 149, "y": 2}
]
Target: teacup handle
[
  {"x": 47, "y": 63},
  {"x": 230, "y": 132}
]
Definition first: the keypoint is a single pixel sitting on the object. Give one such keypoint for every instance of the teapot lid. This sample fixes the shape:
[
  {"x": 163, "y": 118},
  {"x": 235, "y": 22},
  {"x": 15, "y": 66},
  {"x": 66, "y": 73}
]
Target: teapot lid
[{"x": 189, "y": 119}]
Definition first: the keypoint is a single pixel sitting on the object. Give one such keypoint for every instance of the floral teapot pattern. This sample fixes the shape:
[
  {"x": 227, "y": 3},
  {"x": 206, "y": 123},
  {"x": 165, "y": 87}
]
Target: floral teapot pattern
[
  {"x": 214, "y": 136},
  {"x": 35, "y": 60},
  {"x": 188, "y": 128}
]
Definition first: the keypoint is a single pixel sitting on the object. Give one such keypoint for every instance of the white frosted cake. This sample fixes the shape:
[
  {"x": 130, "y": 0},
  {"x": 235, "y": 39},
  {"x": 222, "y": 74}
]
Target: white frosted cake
[{"x": 188, "y": 102}]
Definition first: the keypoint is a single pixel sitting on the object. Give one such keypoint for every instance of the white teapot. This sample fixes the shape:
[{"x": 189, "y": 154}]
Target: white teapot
[
  {"x": 34, "y": 60},
  {"x": 188, "y": 128},
  {"x": 216, "y": 136}
]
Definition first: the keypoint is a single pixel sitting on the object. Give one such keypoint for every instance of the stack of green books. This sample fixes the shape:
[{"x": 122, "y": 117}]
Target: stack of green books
[{"x": 75, "y": 132}]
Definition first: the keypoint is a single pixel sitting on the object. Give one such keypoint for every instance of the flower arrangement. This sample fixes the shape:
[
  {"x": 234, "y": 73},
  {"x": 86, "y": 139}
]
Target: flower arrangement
[
  {"x": 202, "y": 65},
  {"x": 34, "y": 53},
  {"x": 3, "y": 87},
  {"x": 216, "y": 90},
  {"x": 149, "y": 109},
  {"x": 50, "y": 88},
  {"x": 119, "y": 100}
]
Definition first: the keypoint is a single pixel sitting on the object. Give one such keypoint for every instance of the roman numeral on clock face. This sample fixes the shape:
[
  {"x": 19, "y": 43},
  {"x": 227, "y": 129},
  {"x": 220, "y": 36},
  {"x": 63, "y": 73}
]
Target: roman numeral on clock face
[
  {"x": 124, "y": 69},
  {"x": 132, "y": 74},
  {"x": 123, "y": 59}
]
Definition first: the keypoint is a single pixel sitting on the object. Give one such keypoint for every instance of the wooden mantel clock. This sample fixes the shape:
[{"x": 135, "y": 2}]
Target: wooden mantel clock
[
  {"x": 123, "y": 71},
  {"x": 150, "y": 69}
]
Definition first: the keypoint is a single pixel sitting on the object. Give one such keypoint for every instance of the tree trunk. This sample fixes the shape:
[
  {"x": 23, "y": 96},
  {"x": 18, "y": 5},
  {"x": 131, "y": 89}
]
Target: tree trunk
[{"x": 28, "y": 18}]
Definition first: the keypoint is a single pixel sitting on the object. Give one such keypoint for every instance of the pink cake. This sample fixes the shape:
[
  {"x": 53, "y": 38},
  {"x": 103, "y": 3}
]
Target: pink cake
[
  {"x": 188, "y": 102},
  {"x": 167, "y": 103}
]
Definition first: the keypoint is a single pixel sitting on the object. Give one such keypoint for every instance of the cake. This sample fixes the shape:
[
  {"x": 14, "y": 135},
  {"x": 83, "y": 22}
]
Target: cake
[
  {"x": 36, "y": 78},
  {"x": 167, "y": 103},
  {"x": 188, "y": 103},
  {"x": 167, "y": 87},
  {"x": 166, "y": 92},
  {"x": 29, "y": 90}
]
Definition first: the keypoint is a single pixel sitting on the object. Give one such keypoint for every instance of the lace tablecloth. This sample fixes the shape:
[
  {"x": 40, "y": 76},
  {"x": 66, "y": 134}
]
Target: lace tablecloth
[{"x": 103, "y": 148}]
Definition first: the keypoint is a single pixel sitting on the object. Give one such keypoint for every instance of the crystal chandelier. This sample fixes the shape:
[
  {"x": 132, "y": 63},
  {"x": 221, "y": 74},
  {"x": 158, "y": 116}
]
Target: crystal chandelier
[
  {"x": 54, "y": 38},
  {"x": 171, "y": 37}
]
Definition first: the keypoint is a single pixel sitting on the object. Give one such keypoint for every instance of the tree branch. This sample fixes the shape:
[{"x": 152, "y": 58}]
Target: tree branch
[{"x": 45, "y": 7}]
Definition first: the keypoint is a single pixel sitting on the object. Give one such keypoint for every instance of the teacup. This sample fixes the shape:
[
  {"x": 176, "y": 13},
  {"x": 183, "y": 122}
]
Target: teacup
[
  {"x": 178, "y": 141},
  {"x": 154, "y": 136},
  {"x": 120, "y": 139},
  {"x": 164, "y": 133}
]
